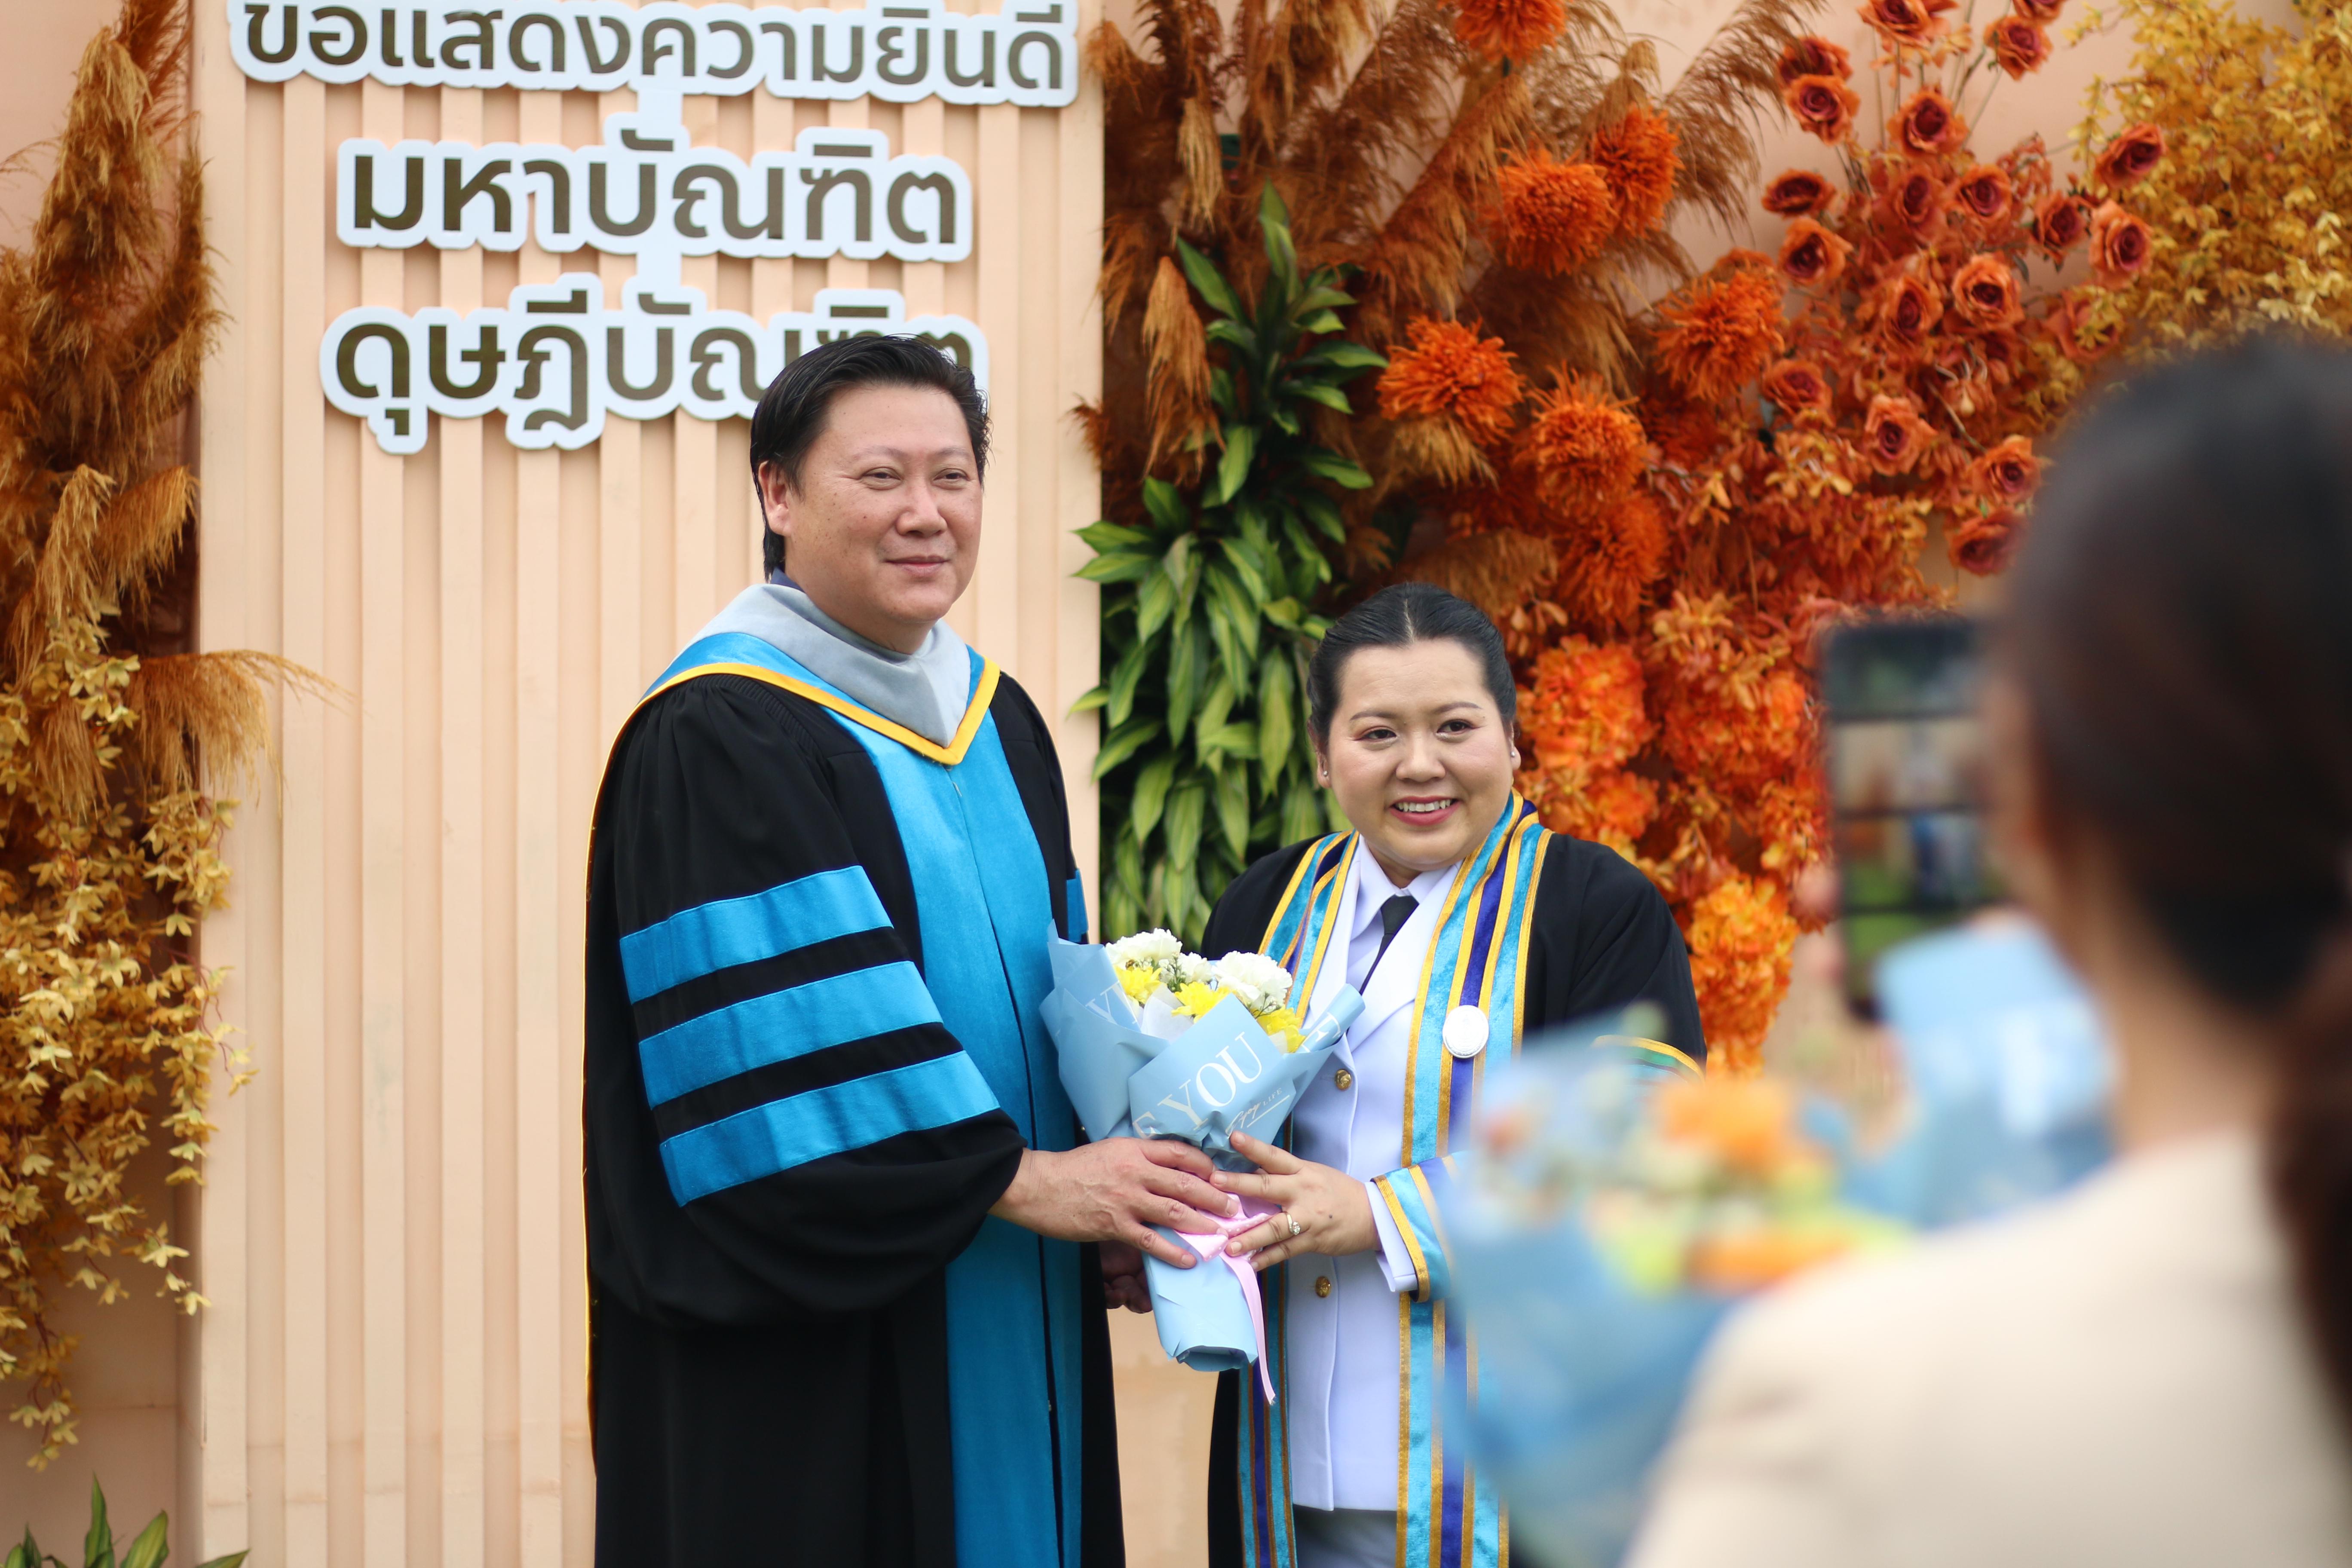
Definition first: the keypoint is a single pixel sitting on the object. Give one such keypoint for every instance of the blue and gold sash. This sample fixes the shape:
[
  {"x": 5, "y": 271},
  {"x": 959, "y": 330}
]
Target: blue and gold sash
[{"x": 1479, "y": 959}]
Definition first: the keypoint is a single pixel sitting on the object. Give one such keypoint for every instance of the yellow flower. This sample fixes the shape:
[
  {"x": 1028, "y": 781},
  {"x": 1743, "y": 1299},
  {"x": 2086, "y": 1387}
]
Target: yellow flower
[
  {"x": 1195, "y": 1000},
  {"x": 1138, "y": 982},
  {"x": 1282, "y": 1025}
]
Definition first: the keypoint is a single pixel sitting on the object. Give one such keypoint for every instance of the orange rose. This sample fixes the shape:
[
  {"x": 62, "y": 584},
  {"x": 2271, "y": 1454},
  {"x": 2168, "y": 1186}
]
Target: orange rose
[
  {"x": 1984, "y": 193},
  {"x": 1916, "y": 200},
  {"x": 2018, "y": 47},
  {"x": 1929, "y": 123},
  {"x": 1811, "y": 257},
  {"x": 2042, "y": 11},
  {"x": 2069, "y": 323},
  {"x": 1798, "y": 386},
  {"x": 2130, "y": 156},
  {"x": 1984, "y": 294},
  {"x": 1822, "y": 105},
  {"x": 2003, "y": 354},
  {"x": 2060, "y": 223},
  {"x": 1893, "y": 433},
  {"x": 1912, "y": 22},
  {"x": 1814, "y": 55},
  {"x": 1985, "y": 544},
  {"x": 1799, "y": 194},
  {"x": 1906, "y": 313},
  {"x": 2119, "y": 245},
  {"x": 2006, "y": 474}
]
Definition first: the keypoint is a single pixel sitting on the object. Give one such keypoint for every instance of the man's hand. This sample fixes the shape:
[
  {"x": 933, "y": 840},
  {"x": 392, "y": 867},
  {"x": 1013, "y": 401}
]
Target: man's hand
[
  {"x": 1331, "y": 1207},
  {"x": 1124, "y": 1284},
  {"x": 1116, "y": 1190}
]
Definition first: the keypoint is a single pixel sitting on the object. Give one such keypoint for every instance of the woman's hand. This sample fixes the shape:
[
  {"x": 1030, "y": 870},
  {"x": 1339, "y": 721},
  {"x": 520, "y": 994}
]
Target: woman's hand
[{"x": 1333, "y": 1210}]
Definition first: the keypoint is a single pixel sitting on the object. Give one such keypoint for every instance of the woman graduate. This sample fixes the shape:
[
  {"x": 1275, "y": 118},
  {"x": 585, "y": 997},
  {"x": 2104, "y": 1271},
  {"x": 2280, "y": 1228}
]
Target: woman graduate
[{"x": 1467, "y": 926}]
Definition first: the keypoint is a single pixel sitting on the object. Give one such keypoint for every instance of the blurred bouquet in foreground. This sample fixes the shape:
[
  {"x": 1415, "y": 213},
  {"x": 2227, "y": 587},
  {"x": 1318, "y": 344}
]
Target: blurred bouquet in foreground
[
  {"x": 1156, "y": 1042},
  {"x": 1607, "y": 1228}
]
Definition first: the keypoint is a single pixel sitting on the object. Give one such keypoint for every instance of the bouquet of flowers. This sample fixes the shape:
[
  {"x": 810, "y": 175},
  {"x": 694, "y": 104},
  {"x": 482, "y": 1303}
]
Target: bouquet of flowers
[
  {"x": 1607, "y": 1228},
  {"x": 1156, "y": 1042}
]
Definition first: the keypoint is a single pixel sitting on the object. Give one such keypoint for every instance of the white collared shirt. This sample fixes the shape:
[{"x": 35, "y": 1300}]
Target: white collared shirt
[{"x": 1342, "y": 1367}]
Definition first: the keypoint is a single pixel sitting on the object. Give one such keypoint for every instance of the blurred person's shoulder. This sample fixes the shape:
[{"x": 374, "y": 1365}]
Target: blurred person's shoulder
[{"x": 2118, "y": 1375}]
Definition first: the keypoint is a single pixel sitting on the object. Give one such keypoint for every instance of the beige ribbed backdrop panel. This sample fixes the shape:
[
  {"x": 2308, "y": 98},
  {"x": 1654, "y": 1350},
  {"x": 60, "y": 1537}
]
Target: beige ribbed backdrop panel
[{"x": 392, "y": 1373}]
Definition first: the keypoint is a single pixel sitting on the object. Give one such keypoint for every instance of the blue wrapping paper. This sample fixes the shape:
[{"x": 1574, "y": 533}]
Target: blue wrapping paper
[
  {"x": 1581, "y": 1375},
  {"x": 1222, "y": 1076}
]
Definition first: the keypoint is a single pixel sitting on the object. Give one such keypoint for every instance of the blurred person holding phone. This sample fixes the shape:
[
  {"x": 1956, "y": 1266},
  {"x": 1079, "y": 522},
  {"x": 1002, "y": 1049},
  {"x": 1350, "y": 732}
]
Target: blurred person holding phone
[{"x": 2155, "y": 1368}]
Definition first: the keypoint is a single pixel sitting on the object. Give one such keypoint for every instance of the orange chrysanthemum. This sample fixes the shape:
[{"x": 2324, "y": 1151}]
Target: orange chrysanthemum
[
  {"x": 1448, "y": 370},
  {"x": 1553, "y": 217},
  {"x": 1638, "y": 156},
  {"x": 1740, "y": 936},
  {"x": 1585, "y": 712},
  {"x": 1717, "y": 336},
  {"x": 1613, "y": 809},
  {"x": 1687, "y": 434},
  {"x": 1611, "y": 566},
  {"x": 1586, "y": 449},
  {"x": 1509, "y": 29}
]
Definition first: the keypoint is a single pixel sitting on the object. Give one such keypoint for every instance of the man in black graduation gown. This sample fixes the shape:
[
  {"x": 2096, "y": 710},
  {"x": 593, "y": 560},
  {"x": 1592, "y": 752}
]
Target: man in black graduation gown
[{"x": 842, "y": 1241}]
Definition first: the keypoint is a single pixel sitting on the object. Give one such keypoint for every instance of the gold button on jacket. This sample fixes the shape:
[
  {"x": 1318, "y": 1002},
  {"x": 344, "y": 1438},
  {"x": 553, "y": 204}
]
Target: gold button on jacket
[
  {"x": 1323, "y": 1284},
  {"x": 1343, "y": 1079}
]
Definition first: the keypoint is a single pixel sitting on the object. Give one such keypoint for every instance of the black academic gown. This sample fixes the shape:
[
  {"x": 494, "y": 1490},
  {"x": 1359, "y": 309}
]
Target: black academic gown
[
  {"x": 1603, "y": 938},
  {"x": 770, "y": 1360}
]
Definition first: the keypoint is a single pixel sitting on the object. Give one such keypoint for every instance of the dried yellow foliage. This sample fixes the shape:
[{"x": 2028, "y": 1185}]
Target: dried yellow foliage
[{"x": 2249, "y": 205}]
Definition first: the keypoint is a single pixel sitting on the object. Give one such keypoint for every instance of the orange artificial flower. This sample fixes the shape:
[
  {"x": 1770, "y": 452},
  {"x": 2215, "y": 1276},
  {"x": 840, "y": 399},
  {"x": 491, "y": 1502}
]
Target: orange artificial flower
[
  {"x": 1928, "y": 124},
  {"x": 1916, "y": 200},
  {"x": 2018, "y": 47},
  {"x": 2130, "y": 156},
  {"x": 1798, "y": 386},
  {"x": 1892, "y": 435},
  {"x": 1800, "y": 193},
  {"x": 1719, "y": 333},
  {"x": 1607, "y": 568},
  {"x": 1911, "y": 23},
  {"x": 1985, "y": 294},
  {"x": 1984, "y": 194},
  {"x": 1907, "y": 309},
  {"x": 1586, "y": 449},
  {"x": 1449, "y": 370},
  {"x": 1740, "y": 937},
  {"x": 2042, "y": 11},
  {"x": 1687, "y": 434},
  {"x": 1811, "y": 257},
  {"x": 1638, "y": 156},
  {"x": 2006, "y": 474},
  {"x": 2119, "y": 245},
  {"x": 1553, "y": 217},
  {"x": 1986, "y": 544},
  {"x": 1822, "y": 105},
  {"x": 1585, "y": 712},
  {"x": 1812, "y": 55},
  {"x": 1509, "y": 29},
  {"x": 2069, "y": 321},
  {"x": 2060, "y": 223}
]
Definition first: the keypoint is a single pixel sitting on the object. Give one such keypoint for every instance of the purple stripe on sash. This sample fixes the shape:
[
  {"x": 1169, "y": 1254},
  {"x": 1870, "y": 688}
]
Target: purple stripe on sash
[{"x": 1450, "y": 1522}]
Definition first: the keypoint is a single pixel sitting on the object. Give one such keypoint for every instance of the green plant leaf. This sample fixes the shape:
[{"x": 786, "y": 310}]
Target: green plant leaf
[
  {"x": 1320, "y": 322},
  {"x": 1341, "y": 354},
  {"x": 1124, "y": 742},
  {"x": 1324, "y": 513},
  {"x": 1120, "y": 566},
  {"x": 25, "y": 1554},
  {"x": 1150, "y": 795},
  {"x": 1229, "y": 739},
  {"x": 1167, "y": 507},
  {"x": 1327, "y": 396},
  {"x": 1274, "y": 730},
  {"x": 1339, "y": 471},
  {"x": 1184, "y": 673},
  {"x": 1153, "y": 604},
  {"x": 1107, "y": 536},
  {"x": 1123, "y": 679},
  {"x": 1090, "y": 701},
  {"x": 1302, "y": 812},
  {"x": 1274, "y": 218},
  {"x": 1234, "y": 334},
  {"x": 149, "y": 1549},
  {"x": 1206, "y": 281},
  {"x": 234, "y": 1560},
  {"x": 1241, "y": 444},
  {"x": 1244, "y": 563},
  {"x": 1232, "y": 811},
  {"x": 98, "y": 1546},
  {"x": 1183, "y": 838},
  {"x": 1283, "y": 612},
  {"x": 1321, "y": 296}
]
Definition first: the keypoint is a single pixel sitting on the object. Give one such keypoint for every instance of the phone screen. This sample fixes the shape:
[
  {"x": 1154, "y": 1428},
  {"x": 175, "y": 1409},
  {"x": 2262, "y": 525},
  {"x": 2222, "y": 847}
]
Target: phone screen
[{"x": 1907, "y": 785}]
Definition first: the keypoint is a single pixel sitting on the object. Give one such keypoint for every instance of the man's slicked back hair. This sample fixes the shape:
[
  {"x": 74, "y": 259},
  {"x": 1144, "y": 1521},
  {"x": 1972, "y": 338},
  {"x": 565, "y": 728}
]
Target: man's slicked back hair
[{"x": 791, "y": 413}]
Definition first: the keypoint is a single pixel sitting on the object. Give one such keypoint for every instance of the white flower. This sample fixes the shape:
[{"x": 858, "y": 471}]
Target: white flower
[
  {"x": 1145, "y": 949},
  {"x": 1261, "y": 983},
  {"x": 1192, "y": 969}
]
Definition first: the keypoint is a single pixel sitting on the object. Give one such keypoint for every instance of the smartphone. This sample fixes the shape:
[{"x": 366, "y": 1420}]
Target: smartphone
[{"x": 1907, "y": 785}]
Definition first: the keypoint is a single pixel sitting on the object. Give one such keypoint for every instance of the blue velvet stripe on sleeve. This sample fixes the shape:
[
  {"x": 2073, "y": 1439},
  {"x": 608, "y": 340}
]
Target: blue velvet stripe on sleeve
[
  {"x": 710, "y": 937},
  {"x": 782, "y": 1024},
  {"x": 808, "y": 1126}
]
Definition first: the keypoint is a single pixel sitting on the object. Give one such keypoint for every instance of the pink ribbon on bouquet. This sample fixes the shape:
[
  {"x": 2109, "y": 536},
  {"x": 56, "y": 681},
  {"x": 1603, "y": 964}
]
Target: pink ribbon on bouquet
[{"x": 1212, "y": 1248}]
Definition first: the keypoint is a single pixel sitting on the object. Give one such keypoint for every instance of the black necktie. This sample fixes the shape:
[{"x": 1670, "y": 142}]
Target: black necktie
[{"x": 1393, "y": 914}]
